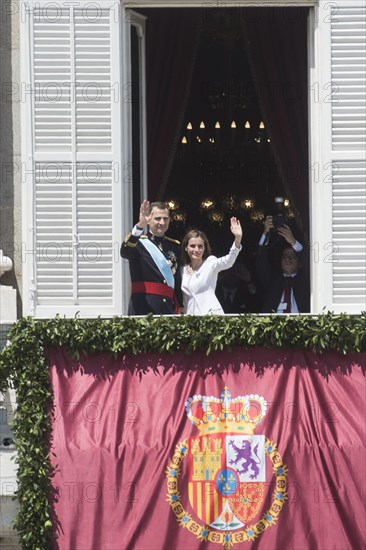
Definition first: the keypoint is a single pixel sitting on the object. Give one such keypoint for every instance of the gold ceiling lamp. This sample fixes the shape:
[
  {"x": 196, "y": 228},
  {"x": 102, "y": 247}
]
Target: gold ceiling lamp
[
  {"x": 261, "y": 136},
  {"x": 179, "y": 216},
  {"x": 172, "y": 204},
  {"x": 216, "y": 216},
  {"x": 247, "y": 203},
  {"x": 257, "y": 216},
  {"x": 207, "y": 203}
]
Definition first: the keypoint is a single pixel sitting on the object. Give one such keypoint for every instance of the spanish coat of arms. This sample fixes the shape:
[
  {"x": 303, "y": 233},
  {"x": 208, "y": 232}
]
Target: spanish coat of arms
[{"x": 226, "y": 471}]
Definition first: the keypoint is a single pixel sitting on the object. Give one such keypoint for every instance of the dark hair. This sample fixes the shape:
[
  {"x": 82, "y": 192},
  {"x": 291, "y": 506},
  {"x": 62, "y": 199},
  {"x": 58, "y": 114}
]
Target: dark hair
[
  {"x": 289, "y": 247},
  {"x": 193, "y": 234},
  {"x": 297, "y": 254},
  {"x": 159, "y": 204}
]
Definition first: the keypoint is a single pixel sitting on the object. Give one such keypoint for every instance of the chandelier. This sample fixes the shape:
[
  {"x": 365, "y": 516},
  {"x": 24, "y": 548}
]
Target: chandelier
[
  {"x": 223, "y": 140},
  {"x": 215, "y": 209},
  {"x": 212, "y": 136}
]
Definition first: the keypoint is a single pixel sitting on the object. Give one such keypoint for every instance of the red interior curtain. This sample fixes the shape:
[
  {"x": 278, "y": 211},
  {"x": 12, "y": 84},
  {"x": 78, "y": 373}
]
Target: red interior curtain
[
  {"x": 277, "y": 52},
  {"x": 171, "y": 45}
]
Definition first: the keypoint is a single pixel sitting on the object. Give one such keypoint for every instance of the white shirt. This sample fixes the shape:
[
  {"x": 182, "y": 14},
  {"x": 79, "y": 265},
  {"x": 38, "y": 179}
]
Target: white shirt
[
  {"x": 283, "y": 305},
  {"x": 199, "y": 286},
  {"x": 264, "y": 241}
]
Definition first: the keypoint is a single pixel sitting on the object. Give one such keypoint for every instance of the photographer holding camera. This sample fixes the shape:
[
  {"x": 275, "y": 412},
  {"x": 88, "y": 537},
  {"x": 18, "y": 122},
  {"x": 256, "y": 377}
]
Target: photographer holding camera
[{"x": 285, "y": 285}]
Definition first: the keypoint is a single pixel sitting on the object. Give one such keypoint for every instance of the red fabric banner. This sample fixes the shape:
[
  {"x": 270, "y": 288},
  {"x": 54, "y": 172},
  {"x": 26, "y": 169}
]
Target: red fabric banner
[{"x": 244, "y": 449}]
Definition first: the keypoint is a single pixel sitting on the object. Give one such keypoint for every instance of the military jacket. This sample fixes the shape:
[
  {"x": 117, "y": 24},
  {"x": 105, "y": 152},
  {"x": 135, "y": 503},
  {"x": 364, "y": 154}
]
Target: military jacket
[{"x": 144, "y": 269}]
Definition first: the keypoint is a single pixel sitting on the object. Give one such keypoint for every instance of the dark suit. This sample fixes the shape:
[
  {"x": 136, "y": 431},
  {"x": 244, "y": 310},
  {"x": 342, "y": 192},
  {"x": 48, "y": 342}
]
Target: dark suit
[
  {"x": 241, "y": 302},
  {"x": 273, "y": 282},
  {"x": 144, "y": 269}
]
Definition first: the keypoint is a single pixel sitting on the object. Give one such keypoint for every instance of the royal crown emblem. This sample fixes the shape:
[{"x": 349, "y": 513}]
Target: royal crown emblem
[
  {"x": 214, "y": 415},
  {"x": 226, "y": 471}
]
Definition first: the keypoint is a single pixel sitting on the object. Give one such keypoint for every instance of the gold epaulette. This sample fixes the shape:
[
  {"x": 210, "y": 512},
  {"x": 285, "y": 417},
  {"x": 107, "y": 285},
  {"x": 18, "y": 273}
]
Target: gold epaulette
[
  {"x": 127, "y": 239},
  {"x": 172, "y": 240}
]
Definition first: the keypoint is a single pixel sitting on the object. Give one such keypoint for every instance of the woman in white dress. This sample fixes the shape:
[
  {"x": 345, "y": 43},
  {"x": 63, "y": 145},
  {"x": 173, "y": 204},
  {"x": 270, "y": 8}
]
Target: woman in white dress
[{"x": 201, "y": 269}]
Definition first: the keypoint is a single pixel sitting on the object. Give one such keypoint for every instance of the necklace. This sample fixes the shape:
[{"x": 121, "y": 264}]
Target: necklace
[{"x": 192, "y": 269}]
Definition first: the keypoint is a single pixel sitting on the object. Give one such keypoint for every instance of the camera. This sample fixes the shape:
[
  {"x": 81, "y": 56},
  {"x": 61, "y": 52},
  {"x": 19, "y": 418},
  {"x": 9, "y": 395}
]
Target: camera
[{"x": 279, "y": 216}]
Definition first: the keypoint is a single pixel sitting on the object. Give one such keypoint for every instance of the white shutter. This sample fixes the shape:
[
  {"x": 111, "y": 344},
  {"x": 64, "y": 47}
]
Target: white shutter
[
  {"x": 53, "y": 233},
  {"x": 338, "y": 112},
  {"x": 349, "y": 234},
  {"x": 348, "y": 72},
  {"x": 95, "y": 233},
  {"x": 93, "y": 90},
  {"x": 72, "y": 151}
]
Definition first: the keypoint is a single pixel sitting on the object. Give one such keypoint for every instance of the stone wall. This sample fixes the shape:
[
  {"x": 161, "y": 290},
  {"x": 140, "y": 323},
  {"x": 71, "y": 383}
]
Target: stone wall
[
  {"x": 10, "y": 242},
  {"x": 10, "y": 142}
]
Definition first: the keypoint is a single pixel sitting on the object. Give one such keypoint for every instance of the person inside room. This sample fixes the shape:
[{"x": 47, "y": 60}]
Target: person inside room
[
  {"x": 237, "y": 291},
  {"x": 282, "y": 268}
]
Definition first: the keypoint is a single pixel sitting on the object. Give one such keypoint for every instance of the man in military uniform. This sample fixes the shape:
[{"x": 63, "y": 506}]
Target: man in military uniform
[{"x": 154, "y": 263}]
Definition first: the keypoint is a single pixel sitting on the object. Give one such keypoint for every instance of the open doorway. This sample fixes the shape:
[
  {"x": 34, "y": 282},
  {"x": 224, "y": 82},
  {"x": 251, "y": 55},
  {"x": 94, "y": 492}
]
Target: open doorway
[
  {"x": 227, "y": 118},
  {"x": 223, "y": 164}
]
